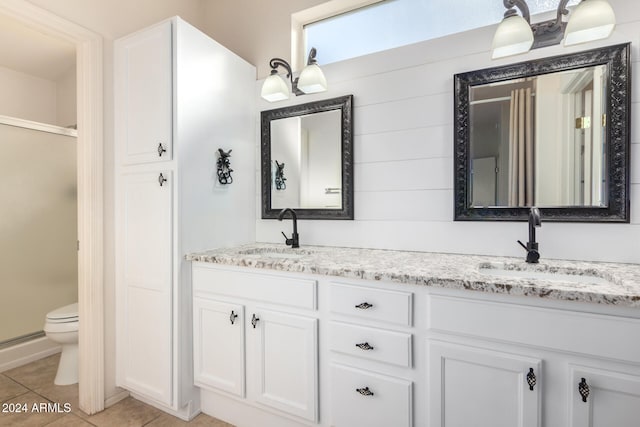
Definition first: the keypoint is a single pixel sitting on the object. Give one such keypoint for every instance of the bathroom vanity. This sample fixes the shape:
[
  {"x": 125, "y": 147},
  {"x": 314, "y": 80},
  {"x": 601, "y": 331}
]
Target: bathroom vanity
[{"x": 360, "y": 337}]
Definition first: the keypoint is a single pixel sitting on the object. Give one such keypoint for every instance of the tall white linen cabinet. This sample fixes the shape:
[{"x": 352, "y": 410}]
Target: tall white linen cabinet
[{"x": 179, "y": 97}]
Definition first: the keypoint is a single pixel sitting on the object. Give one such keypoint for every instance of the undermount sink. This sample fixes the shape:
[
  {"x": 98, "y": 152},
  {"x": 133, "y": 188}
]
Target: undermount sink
[
  {"x": 287, "y": 253},
  {"x": 505, "y": 271}
]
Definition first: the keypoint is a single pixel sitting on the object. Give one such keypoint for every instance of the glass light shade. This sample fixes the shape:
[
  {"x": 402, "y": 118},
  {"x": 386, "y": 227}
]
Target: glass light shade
[
  {"x": 274, "y": 89},
  {"x": 513, "y": 36},
  {"x": 591, "y": 20},
  {"x": 312, "y": 79}
]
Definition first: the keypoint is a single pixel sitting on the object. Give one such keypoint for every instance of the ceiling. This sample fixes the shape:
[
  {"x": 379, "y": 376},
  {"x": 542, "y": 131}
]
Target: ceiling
[{"x": 32, "y": 52}]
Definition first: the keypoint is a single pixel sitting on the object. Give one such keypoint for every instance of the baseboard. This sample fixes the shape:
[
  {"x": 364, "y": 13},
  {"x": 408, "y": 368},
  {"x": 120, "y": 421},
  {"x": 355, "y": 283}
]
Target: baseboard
[
  {"x": 187, "y": 413},
  {"x": 112, "y": 400},
  {"x": 239, "y": 412},
  {"x": 27, "y": 352}
]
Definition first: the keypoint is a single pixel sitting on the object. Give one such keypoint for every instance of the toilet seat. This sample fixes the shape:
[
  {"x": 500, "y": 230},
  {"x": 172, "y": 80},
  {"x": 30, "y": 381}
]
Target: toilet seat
[
  {"x": 66, "y": 314},
  {"x": 60, "y": 328}
]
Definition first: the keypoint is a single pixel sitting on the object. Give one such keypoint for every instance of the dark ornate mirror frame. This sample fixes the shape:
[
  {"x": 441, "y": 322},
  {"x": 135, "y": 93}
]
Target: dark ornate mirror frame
[
  {"x": 618, "y": 95},
  {"x": 345, "y": 105}
]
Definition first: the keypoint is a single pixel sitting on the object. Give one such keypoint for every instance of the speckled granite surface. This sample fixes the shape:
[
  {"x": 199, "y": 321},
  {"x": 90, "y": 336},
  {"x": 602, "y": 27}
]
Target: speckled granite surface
[{"x": 604, "y": 283}]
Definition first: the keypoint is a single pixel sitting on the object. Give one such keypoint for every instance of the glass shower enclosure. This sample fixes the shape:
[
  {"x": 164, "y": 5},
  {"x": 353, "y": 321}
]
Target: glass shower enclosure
[{"x": 38, "y": 226}]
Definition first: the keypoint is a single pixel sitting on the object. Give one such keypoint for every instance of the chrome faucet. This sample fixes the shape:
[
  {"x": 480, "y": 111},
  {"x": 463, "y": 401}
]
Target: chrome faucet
[
  {"x": 533, "y": 256},
  {"x": 293, "y": 241}
]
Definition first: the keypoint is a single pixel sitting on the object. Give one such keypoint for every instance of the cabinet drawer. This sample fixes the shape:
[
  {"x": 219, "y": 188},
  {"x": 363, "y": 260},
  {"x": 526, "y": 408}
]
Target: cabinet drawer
[
  {"x": 360, "y": 398},
  {"x": 266, "y": 288},
  {"x": 585, "y": 333},
  {"x": 375, "y": 344},
  {"x": 372, "y": 304}
]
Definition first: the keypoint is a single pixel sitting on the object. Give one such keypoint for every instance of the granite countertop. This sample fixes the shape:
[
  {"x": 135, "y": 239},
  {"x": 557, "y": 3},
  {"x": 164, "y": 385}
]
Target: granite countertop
[{"x": 603, "y": 283}]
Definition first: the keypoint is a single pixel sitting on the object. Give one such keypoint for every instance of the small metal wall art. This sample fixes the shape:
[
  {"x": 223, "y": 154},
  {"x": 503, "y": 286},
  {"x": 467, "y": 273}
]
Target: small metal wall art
[
  {"x": 280, "y": 179},
  {"x": 224, "y": 167}
]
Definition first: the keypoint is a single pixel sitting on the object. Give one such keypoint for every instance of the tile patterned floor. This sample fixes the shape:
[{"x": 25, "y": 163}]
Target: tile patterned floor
[{"x": 31, "y": 386}]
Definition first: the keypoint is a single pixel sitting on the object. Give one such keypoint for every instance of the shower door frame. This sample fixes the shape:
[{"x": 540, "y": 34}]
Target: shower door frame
[{"x": 89, "y": 67}]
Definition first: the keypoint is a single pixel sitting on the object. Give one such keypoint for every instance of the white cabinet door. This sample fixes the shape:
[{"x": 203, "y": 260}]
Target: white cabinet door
[
  {"x": 284, "y": 349},
  {"x": 144, "y": 95},
  {"x": 600, "y": 398},
  {"x": 145, "y": 227},
  {"x": 476, "y": 387},
  {"x": 144, "y": 276},
  {"x": 218, "y": 345}
]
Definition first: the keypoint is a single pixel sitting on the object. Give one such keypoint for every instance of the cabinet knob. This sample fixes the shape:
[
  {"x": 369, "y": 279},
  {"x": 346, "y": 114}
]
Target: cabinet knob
[
  {"x": 583, "y": 389},
  {"x": 254, "y": 320},
  {"x": 364, "y": 346},
  {"x": 531, "y": 379},
  {"x": 364, "y": 306},
  {"x": 161, "y": 150},
  {"x": 161, "y": 179},
  {"x": 365, "y": 391},
  {"x": 232, "y": 317}
]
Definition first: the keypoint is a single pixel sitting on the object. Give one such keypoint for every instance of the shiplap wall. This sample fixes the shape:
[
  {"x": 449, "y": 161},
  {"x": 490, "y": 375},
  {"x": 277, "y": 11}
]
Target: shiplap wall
[{"x": 403, "y": 119}]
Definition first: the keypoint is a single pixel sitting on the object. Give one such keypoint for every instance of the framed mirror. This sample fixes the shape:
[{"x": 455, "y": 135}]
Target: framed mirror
[
  {"x": 551, "y": 133},
  {"x": 307, "y": 159}
]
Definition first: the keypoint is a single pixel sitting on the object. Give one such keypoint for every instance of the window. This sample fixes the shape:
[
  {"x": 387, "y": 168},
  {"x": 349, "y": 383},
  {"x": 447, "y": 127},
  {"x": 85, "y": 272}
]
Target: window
[{"x": 393, "y": 23}]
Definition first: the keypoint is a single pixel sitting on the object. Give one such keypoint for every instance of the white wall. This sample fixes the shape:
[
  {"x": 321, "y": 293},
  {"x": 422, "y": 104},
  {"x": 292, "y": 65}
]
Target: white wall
[{"x": 404, "y": 155}]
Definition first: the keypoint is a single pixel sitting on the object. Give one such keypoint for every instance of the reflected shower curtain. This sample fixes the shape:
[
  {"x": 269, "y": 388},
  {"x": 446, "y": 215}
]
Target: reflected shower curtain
[{"x": 521, "y": 161}]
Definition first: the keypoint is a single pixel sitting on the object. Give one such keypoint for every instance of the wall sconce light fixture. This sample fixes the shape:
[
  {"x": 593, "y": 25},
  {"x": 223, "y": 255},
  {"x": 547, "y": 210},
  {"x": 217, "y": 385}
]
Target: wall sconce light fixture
[
  {"x": 311, "y": 79},
  {"x": 591, "y": 20}
]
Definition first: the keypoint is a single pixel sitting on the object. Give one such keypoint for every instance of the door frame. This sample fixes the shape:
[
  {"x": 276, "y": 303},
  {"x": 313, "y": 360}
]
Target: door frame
[{"x": 89, "y": 66}]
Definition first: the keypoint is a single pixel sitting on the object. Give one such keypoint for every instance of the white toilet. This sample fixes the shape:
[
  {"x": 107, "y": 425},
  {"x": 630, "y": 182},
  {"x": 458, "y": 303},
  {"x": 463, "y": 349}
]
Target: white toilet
[{"x": 61, "y": 326}]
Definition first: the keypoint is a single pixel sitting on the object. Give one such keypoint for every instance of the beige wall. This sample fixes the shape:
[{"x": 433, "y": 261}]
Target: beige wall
[
  {"x": 257, "y": 30},
  {"x": 36, "y": 99},
  {"x": 66, "y": 93},
  {"x": 27, "y": 97}
]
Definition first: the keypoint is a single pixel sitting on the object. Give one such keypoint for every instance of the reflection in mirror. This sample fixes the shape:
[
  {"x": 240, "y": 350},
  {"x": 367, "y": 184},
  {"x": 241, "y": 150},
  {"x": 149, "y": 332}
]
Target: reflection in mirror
[
  {"x": 307, "y": 160},
  {"x": 310, "y": 148},
  {"x": 552, "y": 133},
  {"x": 540, "y": 141}
]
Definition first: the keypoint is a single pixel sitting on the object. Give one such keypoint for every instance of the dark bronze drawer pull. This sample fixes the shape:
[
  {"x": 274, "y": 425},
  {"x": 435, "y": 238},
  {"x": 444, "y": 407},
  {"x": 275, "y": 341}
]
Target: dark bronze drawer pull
[
  {"x": 364, "y": 346},
  {"x": 365, "y": 391},
  {"x": 364, "y": 306}
]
